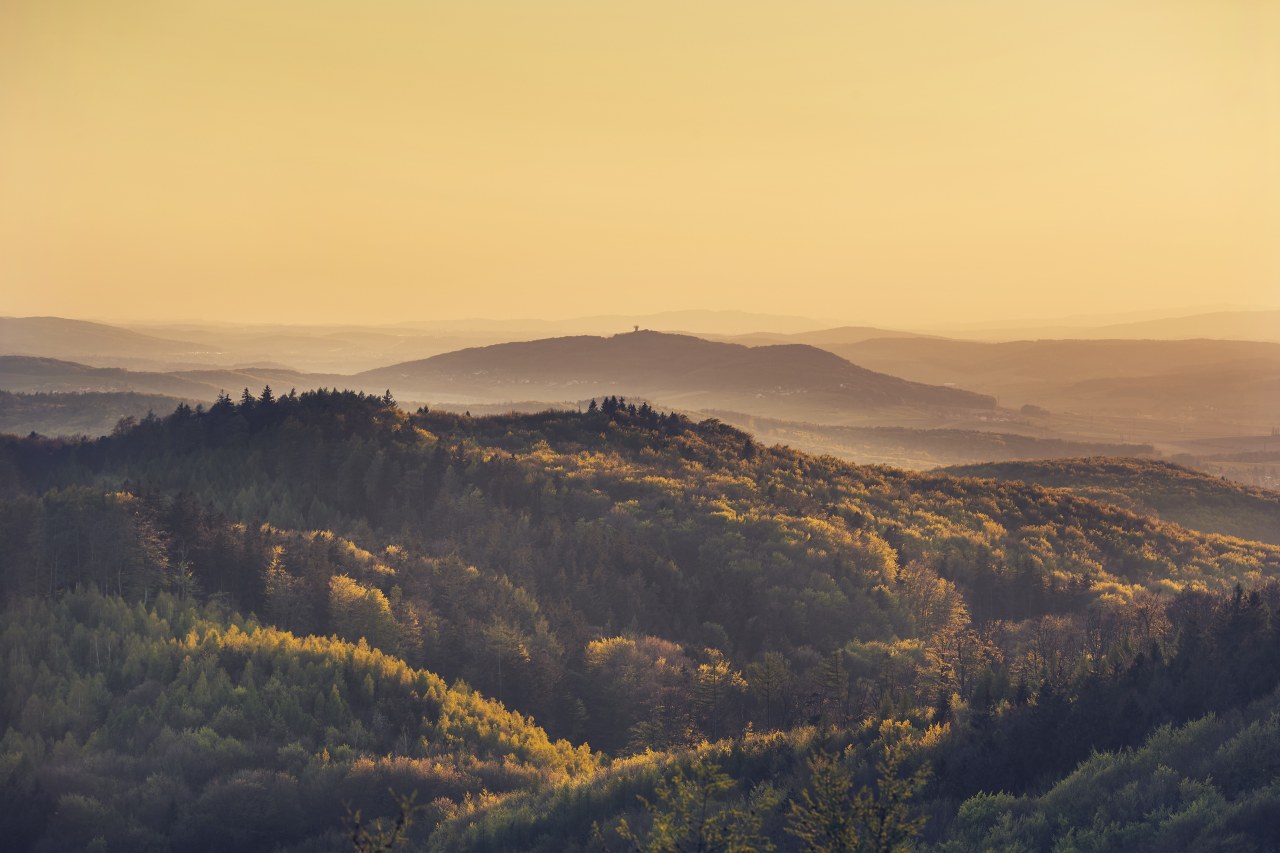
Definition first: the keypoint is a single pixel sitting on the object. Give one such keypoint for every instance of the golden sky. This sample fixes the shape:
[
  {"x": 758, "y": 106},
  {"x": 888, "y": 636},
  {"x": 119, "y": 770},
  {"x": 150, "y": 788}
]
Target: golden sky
[{"x": 907, "y": 162}]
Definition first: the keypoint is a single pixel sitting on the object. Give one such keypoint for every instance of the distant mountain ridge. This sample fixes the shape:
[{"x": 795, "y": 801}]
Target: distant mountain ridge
[
  {"x": 40, "y": 375},
  {"x": 673, "y": 368},
  {"x": 91, "y": 414},
  {"x": 346, "y": 349},
  {"x": 1255, "y": 325},
  {"x": 919, "y": 449},
  {"x": 1228, "y": 325},
  {"x": 824, "y": 338},
  {"x": 1240, "y": 379},
  {"x": 721, "y": 322},
  {"x": 680, "y": 370},
  {"x": 58, "y": 337}
]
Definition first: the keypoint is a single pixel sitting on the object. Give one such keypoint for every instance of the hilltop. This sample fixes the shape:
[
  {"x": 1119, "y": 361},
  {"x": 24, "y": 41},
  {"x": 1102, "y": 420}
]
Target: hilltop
[{"x": 674, "y": 369}]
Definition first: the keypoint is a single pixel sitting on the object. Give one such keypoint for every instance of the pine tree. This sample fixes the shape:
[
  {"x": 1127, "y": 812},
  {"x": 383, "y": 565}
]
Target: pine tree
[
  {"x": 822, "y": 817},
  {"x": 887, "y": 824},
  {"x": 827, "y": 819},
  {"x": 690, "y": 815}
]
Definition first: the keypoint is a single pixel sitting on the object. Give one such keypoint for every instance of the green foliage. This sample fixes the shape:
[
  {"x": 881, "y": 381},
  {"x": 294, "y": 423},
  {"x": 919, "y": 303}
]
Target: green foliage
[
  {"x": 183, "y": 726},
  {"x": 629, "y": 579},
  {"x": 825, "y": 816},
  {"x": 361, "y": 612},
  {"x": 87, "y": 413},
  {"x": 829, "y": 817},
  {"x": 1161, "y": 489},
  {"x": 541, "y": 534},
  {"x": 887, "y": 823},
  {"x": 689, "y": 814},
  {"x": 1198, "y": 787}
]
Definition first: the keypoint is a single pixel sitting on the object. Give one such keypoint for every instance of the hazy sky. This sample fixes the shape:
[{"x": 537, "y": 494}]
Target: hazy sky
[{"x": 912, "y": 161}]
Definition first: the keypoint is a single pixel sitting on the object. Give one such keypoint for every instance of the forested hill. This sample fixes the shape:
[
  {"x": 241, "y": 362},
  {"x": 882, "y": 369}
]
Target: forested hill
[
  {"x": 627, "y": 578},
  {"x": 671, "y": 368},
  {"x": 358, "y": 465},
  {"x": 77, "y": 414},
  {"x": 1160, "y": 489},
  {"x": 172, "y": 726}
]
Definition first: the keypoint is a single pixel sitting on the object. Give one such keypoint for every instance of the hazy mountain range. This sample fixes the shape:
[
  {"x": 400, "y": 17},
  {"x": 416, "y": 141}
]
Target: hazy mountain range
[
  {"x": 1082, "y": 396},
  {"x": 21, "y": 373},
  {"x": 920, "y": 449},
  {"x": 349, "y": 348},
  {"x": 1256, "y": 325},
  {"x": 675, "y": 369},
  {"x": 78, "y": 340},
  {"x": 1237, "y": 380},
  {"x": 1232, "y": 379}
]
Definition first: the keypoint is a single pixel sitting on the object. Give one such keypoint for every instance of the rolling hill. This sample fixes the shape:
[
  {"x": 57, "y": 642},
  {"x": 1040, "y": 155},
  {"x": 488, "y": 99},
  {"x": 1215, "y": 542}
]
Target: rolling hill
[
  {"x": 1255, "y": 325},
  {"x": 98, "y": 343},
  {"x": 650, "y": 600},
  {"x": 339, "y": 348},
  {"x": 48, "y": 375},
  {"x": 1158, "y": 489},
  {"x": 92, "y": 413},
  {"x": 1194, "y": 378},
  {"x": 1227, "y": 325},
  {"x": 918, "y": 449},
  {"x": 674, "y": 369}
]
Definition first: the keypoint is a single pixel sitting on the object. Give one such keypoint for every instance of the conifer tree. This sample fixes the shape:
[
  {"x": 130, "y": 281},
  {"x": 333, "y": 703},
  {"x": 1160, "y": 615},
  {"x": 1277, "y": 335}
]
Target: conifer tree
[
  {"x": 691, "y": 815},
  {"x": 822, "y": 817}
]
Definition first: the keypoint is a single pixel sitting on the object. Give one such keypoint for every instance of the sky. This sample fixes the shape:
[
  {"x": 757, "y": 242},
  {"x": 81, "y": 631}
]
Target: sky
[{"x": 908, "y": 163}]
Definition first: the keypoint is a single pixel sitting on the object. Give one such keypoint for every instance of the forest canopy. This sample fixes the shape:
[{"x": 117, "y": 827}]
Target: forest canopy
[{"x": 287, "y": 605}]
